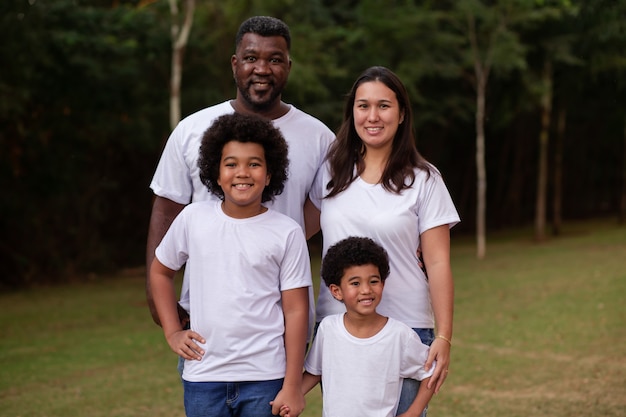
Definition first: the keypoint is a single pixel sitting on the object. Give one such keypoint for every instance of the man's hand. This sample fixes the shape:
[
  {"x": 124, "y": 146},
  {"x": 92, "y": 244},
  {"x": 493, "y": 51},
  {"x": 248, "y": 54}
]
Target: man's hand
[{"x": 183, "y": 316}]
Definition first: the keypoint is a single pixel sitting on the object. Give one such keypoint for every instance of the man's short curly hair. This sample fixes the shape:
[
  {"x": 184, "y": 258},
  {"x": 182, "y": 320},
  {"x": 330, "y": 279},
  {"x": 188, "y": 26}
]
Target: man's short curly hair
[
  {"x": 353, "y": 251},
  {"x": 244, "y": 128},
  {"x": 265, "y": 26}
]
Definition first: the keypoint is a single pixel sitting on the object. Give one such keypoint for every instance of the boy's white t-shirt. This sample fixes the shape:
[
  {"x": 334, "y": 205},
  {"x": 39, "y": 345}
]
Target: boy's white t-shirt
[
  {"x": 394, "y": 221},
  {"x": 237, "y": 269},
  {"x": 177, "y": 175},
  {"x": 363, "y": 377}
]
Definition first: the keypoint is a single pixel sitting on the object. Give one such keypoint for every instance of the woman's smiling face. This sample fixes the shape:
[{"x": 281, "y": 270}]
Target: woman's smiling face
[{"x": 377, "y": 114}]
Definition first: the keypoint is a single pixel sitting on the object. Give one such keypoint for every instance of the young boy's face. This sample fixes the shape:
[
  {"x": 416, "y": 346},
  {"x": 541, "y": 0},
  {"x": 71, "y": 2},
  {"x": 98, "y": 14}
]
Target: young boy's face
[
  {"x": 361, "y": 289},
  {"x": 243, "y": 176}
]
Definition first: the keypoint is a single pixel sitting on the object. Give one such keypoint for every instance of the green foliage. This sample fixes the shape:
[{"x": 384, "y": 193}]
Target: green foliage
[
  {"x": 79, "y": 107},
  {"x": 84, "y": 99}
]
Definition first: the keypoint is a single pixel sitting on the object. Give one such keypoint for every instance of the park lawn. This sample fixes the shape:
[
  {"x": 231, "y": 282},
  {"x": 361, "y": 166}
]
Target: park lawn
[{"x": 540, "y": 329}]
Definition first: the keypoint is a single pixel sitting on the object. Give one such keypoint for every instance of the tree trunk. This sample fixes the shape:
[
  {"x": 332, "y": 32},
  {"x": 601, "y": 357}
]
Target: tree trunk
[
  {"x": 558, "y": 173},
  {"x": 481, "y": 172},
  {"x": 481, "y": 72},
  {"x": 622, "y": 211},
  {"x": 180, "y": 35},
  {"x": 542, "y": 175}
]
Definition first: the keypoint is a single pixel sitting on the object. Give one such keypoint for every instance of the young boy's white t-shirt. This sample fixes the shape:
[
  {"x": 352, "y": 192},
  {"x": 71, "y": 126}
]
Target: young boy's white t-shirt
[
  {"x": 394, "y": 221},
  {"x": 363, "y": 377},
  {"x": 237, "y": 269}
]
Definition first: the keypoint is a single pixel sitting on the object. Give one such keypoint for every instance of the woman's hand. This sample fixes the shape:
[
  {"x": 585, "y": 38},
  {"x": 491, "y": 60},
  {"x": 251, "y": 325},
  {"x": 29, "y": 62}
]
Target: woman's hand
[{"x": 440, "y": 352}]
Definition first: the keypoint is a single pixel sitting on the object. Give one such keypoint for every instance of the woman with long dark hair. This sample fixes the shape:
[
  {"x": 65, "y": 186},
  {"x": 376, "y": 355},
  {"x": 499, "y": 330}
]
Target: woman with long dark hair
[{"x": 376, "y": 184}]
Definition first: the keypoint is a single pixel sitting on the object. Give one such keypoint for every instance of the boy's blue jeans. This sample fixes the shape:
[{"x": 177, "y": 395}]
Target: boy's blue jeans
[
  {"x": 411, "y": 386},
  {"x": 230, "y": 399}
]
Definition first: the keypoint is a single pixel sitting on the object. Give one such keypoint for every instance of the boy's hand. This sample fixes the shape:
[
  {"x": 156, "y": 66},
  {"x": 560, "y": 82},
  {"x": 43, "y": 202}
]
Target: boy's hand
[
  {"x": 289, "y": 402},
  {"x": 183, "y": 343},
  {"x": 283, "y": 411}
]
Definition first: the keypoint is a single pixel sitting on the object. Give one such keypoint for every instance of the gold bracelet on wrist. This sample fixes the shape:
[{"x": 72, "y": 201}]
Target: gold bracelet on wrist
[{"x": 444, "y": 338}]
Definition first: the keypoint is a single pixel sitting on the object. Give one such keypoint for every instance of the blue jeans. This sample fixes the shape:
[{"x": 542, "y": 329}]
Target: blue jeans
[
  {"x": 230, "y": 399},
  {"x": 180, "y": 367},
  {"x": 411, "y": 386},
  {"x": 181, "y": 362}
]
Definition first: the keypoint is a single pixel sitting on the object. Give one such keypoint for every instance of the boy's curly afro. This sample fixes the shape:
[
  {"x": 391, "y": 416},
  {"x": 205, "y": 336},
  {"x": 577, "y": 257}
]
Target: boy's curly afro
[
  {"x": 244, "y": 128},
  {"x": 353, "y": 251}
]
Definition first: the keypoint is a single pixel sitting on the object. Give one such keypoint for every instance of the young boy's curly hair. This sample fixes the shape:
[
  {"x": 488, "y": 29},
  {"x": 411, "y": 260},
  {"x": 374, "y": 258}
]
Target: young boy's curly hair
[
  {"x": 353, "y": 251},
  {"x": 244, "y": 128}
]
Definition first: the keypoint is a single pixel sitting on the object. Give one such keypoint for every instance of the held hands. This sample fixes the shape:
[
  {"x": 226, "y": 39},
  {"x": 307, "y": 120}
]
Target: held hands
[
  {"x": 440, "y": 352},
  {"x": 289, "y": 402},
  {"x": 183, "y": 343},
  {"x": 284, "y": 411}
]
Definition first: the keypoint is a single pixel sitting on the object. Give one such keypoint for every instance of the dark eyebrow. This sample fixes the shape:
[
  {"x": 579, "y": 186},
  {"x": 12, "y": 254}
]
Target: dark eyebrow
[
  {"x": 384, "y": 100},
  {"x": 255, "y": 51}
]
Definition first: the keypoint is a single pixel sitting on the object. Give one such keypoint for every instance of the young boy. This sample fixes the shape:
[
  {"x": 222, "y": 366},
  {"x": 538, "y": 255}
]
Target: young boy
[
  {"x": 361, "y": 357},
  {"x": 249, "y": 278}
]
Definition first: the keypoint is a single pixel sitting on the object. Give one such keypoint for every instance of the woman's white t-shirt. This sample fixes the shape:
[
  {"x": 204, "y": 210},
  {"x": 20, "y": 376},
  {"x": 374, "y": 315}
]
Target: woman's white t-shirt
[{"x": 395, "y": 221}]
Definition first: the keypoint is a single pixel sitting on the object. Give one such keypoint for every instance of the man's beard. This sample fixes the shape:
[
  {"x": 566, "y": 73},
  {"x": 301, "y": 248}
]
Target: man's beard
[{"x": 258, "y": 106}]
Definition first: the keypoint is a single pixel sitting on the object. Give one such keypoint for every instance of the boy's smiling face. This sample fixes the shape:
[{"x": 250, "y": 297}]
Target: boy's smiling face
[
  {"x": 243, "y": 176},
  {"x": 361, "y": 289}
]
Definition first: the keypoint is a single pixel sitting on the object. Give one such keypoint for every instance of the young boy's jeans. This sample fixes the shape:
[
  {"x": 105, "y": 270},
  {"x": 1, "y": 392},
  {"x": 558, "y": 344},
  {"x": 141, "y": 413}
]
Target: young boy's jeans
[
  {"x": 225, "y": 399},
  {"x": 411, "y": 386}
]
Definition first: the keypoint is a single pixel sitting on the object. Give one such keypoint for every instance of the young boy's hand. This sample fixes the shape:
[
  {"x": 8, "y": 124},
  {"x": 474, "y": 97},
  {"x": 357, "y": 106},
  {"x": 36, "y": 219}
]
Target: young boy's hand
[
  {"x": 183, "y": 343},
  {"x": 289, "y": 402},
  {"x": 283, "y": 411}
]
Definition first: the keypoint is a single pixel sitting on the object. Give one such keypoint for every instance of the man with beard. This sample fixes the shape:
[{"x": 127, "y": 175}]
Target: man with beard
[{"x": 260, "y": 66}]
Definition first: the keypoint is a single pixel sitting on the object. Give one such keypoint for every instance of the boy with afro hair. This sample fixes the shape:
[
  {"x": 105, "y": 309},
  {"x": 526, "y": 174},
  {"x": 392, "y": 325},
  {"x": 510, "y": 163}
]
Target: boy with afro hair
[
  {"x": 249, "y": 277},
  {"x": 360, "y": 356}
]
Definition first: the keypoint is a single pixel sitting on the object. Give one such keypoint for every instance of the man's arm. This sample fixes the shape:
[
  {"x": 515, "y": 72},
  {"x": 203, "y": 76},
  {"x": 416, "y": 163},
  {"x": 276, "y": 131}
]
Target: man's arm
[
  {"x": 311, "y": 218},
  {"x": 164, "y": 211}
]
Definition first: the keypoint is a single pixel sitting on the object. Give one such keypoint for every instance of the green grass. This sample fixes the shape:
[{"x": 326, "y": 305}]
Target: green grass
[{"x": 540, "y": 329}]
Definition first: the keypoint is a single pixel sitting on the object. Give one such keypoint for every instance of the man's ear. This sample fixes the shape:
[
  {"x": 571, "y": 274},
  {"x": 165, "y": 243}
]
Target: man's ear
[{"x": 335, "y": 290}]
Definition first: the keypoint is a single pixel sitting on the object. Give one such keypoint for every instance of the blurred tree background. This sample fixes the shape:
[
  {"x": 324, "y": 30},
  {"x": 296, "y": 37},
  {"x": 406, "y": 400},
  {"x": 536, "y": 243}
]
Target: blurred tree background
[{"x": 84, "y": 109}]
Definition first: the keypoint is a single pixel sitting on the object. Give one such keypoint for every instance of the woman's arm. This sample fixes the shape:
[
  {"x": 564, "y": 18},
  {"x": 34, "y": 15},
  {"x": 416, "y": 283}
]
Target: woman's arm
[{"x": 435, "y": 245}]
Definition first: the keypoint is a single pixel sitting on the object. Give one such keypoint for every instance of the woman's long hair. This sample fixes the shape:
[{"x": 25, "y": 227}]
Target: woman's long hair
[{"x": 348, "y": 150}]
